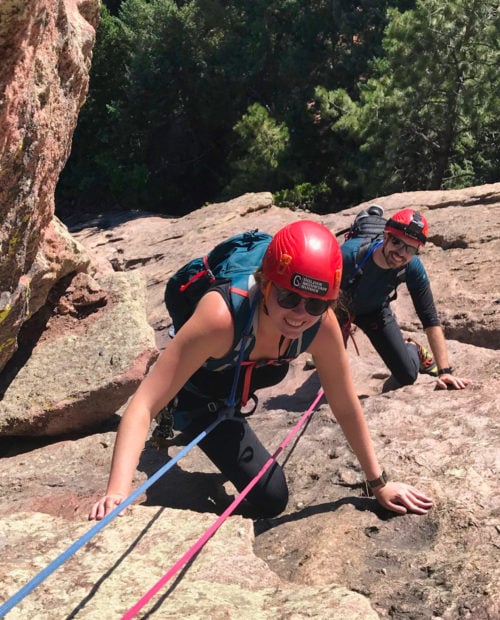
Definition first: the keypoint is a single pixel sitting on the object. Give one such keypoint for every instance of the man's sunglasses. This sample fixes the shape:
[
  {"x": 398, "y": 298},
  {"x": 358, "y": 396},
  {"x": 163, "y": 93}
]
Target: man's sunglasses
[
  {"x": 289, "y": 299},
  {"x": 411, "y": 250}
]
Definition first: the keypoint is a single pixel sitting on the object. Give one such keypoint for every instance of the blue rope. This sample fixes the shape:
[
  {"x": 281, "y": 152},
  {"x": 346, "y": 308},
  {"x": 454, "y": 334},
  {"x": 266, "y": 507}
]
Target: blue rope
[
  {"x": 48, "y": 570},
  {"x": 223, "y": 414}
]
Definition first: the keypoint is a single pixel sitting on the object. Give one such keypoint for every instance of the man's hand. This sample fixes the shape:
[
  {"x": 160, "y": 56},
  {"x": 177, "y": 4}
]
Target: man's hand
[{"x": 448, "y": 381}]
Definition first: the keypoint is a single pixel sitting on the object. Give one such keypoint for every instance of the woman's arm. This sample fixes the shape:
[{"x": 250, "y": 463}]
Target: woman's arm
[
  {"x": 209, "y": 333},
  {"x": 334, "y": 372},
  {"x": 335, "y": 375}
]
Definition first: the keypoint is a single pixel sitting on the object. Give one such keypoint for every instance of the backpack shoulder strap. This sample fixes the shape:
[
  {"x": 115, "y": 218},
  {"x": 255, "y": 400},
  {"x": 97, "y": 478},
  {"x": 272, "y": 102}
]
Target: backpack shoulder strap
[
  {"x": 241, "y": 303},
  {"x": 365, "y": 250},
  {"x": 400, "y": 277}
]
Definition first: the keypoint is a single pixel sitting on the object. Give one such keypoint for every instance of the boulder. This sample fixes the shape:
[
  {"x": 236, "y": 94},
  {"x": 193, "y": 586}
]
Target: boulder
[
  {"x": 331, "y": 539},
  {"x": 114, "y": 571},
  {"x": 80, "y": 360}
]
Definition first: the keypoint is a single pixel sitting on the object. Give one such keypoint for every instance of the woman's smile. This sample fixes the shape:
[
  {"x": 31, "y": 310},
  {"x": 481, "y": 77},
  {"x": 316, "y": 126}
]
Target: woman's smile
[{"x": 295, "y": 323}]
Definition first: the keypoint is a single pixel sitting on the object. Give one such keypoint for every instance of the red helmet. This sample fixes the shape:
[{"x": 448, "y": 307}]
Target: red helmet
[
  {"x": 410, "y": 224},
  {"x": 305, "y": 257}
]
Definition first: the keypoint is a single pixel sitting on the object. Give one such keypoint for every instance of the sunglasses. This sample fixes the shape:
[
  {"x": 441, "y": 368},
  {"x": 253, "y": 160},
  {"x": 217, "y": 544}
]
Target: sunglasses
[
  {"x": 288, "y": 299},
  {"x": 411, "y": 250}
]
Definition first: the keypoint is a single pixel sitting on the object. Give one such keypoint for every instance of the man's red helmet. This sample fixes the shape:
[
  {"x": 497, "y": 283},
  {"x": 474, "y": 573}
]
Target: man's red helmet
[
  {"x": 409, "y": 224},
  {"x": 305, "y": 257}
]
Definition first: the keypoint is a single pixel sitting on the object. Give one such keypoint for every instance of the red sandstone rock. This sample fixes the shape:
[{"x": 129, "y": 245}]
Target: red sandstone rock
[{"x": 45, "y": 46}]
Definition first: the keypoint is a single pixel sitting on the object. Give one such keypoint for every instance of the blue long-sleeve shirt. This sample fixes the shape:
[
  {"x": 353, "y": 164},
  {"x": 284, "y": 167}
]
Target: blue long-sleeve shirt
[{"x": 375, "y": 287}]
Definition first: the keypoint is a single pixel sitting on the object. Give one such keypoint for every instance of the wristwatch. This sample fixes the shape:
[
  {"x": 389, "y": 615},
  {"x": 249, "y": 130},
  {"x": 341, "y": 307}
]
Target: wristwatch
[
  {"x": 381, "y": 481},
  {"x": 445, "y": 371}
]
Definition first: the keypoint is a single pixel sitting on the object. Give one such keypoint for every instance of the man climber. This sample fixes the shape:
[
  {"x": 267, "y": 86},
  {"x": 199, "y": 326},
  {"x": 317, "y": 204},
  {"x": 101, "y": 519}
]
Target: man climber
[{"x": 367, "y": 294}]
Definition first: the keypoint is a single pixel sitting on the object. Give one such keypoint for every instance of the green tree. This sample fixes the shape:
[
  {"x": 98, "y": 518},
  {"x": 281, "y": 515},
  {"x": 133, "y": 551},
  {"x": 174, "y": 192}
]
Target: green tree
[
  {"x": 293, "y": 47},
  {"x": 260, "y": 149},
  {"x": 91, "y": 173},
  {"x": 171, "y": 80},
  {"x": 147, "y": 137},
  {"x": 429, "y": 117}
]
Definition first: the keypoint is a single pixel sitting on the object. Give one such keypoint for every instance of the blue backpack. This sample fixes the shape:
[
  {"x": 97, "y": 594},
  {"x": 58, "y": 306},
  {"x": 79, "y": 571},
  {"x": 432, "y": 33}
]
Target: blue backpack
[{"x": 233, "y": 260}]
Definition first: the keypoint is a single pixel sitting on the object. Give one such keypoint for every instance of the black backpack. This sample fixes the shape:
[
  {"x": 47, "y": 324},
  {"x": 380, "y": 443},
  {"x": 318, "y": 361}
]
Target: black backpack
[{"x": 369, "y": 224}]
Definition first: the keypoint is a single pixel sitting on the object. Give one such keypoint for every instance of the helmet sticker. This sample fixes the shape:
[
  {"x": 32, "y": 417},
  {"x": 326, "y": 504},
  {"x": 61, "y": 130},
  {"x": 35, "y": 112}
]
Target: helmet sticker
[
  {"x": 285, "y": 260},
  {"x": 309, "y": 285},
  {"x": 337, "y": 279}
]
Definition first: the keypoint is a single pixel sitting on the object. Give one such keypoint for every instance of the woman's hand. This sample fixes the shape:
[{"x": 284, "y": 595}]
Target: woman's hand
[
  {"x": 106, "y": 505},
  {"x": 402, "y": 498}
]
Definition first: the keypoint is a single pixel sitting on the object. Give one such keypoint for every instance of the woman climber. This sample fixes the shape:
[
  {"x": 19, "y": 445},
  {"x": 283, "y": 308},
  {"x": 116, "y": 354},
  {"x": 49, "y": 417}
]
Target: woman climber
[{"x": 293, "y": 294}]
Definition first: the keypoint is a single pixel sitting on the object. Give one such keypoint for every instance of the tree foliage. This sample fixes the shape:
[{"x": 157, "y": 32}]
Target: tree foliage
[
  {"x": 261, "y": 147},
  {"x": 428, "y": 118},
  {"x": 324, "y": 103}
]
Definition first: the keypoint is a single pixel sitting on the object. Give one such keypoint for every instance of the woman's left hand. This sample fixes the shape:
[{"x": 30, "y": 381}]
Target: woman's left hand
[{"x": 402, "y": 498}]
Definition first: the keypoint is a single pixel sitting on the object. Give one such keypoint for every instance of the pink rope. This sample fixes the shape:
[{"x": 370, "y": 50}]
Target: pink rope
[{"x": 215, "y": 526}]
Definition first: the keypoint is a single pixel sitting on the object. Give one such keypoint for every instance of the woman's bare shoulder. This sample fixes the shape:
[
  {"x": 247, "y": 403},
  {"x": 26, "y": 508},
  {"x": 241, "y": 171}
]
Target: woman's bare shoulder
[{"x": 210, "y": 326}]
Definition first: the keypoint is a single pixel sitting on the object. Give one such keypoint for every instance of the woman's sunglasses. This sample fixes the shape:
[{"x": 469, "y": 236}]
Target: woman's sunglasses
[
  {"x": 411, "y": 250},
  {"x": 288, "y": 299}
]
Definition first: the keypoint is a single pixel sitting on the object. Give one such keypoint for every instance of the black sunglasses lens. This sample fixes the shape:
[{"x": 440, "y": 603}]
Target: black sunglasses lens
[
  {"x": 409, "y": 249},
  {"x": 288, "y": 299},
  {"x": 315, "y": 307},
  {"x": 412, "y": 250}
]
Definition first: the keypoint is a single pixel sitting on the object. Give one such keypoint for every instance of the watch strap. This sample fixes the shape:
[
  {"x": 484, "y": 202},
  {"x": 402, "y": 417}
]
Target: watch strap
[
  {"x": 381, "y": 481},
  {"x": 445, "y": 371}
]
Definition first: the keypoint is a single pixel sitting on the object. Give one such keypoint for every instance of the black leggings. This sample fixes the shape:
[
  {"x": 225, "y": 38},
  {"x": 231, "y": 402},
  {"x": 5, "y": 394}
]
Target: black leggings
[
  {"x": 385, "y": 335},
  {"x": 238, "y": 453}
]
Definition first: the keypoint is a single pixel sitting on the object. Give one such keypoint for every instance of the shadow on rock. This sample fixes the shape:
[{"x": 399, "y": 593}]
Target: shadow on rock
[
  {"x": 181, "y": 489},
  {"x": 359, "y": 503},
  {"x": 300, "y": 399}
]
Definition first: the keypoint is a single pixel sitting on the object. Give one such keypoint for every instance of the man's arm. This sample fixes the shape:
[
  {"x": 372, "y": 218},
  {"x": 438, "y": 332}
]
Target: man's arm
[
  {"x": 420, "y": 290},
  {"x": 437, "y": 343}
]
